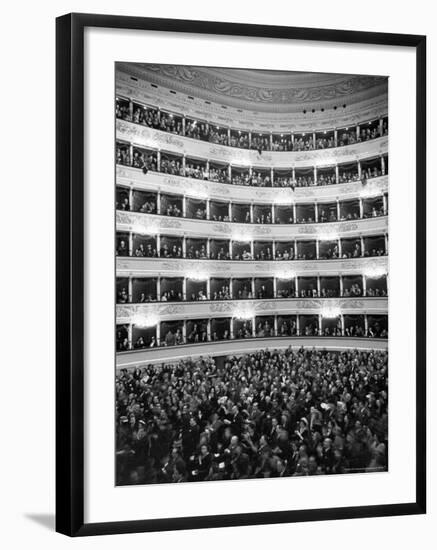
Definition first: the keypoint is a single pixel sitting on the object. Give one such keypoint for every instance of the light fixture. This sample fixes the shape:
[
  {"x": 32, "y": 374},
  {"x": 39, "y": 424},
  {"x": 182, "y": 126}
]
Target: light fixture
[
  {"x": 285, "y": 274},
  {"x": 241, "y": 236},
  {"x": 147, "y": 228},
  {"x": 283, "y": 200},
  {"x": 147, "y": 320},
  {"x": 331, "y": 312},
  {"x": 243, "y": 311},
  {"x": 369, "y": 193},
  {"x": 197, "y": 275},
  {"x": 375, "y": 272},
  {"x": 327, "y": 236}
]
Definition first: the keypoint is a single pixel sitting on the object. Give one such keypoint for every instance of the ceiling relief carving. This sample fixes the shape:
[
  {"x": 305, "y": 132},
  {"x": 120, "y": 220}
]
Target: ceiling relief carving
[
  {"x": 286, "y": 88},
  {"x": 262, "y": 103}
]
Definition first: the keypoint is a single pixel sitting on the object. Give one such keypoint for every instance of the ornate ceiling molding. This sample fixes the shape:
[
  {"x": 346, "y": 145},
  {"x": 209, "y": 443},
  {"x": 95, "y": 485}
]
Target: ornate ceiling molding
[{"x": 259, "y": 93}]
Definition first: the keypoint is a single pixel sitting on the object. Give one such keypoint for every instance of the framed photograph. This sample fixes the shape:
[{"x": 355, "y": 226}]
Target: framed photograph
[{"x": 240, "y": 274}]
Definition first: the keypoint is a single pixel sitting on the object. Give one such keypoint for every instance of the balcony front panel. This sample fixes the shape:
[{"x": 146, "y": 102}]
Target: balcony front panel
[
  {"x": 151, "y": 224},
  {"x": 157, "y": 139},
  {"x": 153, "y": 267},
  {"x": 132, "y": 359},
  {"x": 190, "y": 187},
  {"x": 199, "y": 310}
]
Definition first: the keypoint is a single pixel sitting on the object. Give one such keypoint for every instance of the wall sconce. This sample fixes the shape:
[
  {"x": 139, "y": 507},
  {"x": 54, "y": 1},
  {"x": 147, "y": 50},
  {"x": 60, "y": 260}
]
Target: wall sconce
[
  {"x": 330, "y": 312},
  {"x": 147, "y": 320},
  {"x": 243, "y": 311}
]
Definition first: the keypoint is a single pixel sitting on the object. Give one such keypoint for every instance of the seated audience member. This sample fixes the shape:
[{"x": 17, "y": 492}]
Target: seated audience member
[{"x": 261, "y": 415}]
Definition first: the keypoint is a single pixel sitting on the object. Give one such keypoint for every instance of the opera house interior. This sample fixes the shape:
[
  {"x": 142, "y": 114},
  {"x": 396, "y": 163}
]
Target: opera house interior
[{"x": 252, "y": 281}]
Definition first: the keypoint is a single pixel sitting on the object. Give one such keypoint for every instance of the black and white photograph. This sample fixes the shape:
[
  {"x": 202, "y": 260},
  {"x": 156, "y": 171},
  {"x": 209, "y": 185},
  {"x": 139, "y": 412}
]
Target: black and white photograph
[{"x": 252, "y": 280}]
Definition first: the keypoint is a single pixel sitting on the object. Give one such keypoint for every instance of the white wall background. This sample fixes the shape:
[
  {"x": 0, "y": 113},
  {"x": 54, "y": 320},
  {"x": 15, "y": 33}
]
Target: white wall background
[{"x": 27, "y": 287}]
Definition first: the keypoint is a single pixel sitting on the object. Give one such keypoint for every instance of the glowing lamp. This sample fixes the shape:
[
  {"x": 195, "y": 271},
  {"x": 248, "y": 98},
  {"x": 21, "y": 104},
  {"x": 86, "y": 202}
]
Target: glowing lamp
[
  {"x": 285, "y": 274},
  {"x": 197, "y": 275},
  {"x": 243, "y": 311},
  {"x": 241, "y": 237},
  {"x": 327, "y": 236},
  {"x": 375, "y": 272},
  {"x": 330, "y": 312},
  {"x": 279, "y": 199},
  {"x": 146, "y": 228},
  {"x": 147, "y": 320}
]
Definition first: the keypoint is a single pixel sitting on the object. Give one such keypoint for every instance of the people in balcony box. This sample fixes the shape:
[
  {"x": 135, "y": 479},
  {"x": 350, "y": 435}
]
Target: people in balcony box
[
  {"x": 122, "y": 155},
  {"x": 122, "y": 249},
  {"x": 376, "y": 292},
  {"x": 123, "y": 204},
  {"x": 173, "y": 210},
  {"x": 171, "y": 296},
  {"x": 199, "y": 297},
  {"x": 122, "y": 296},
  {"x": 122, "y": 111},
  {"x": 140, "y": 251},
  {"x": 153, "y": 343},
  {"x": 149, "y": 207},
  {"x": 264, "y": 330},
  {"x": 170, "y": 252},
  {"x": 146, "y": 298},
  {"x": 264, "y": 218},
  {"x": 332, "y": 331},
  {"x": 347, "y": 176},
  {"x": 150, "y": 251},
  {"x": 354, "y": 330},
  {"x": 140, "y": 343},
  {"x": 264, "y": 254},
  {"x": 197, "y": 253},
  {"x": 246, "y": 255},
  {"x": 200, "y": 214},
  {"x": 197, "y": 335},
  {"x": 262, "y": 292},
  {"x": 222, "y": 294},
  {"x": 123, "y": 344},
  {"x": 244, "y": 293},
  {"x": 245, "y": 331}
]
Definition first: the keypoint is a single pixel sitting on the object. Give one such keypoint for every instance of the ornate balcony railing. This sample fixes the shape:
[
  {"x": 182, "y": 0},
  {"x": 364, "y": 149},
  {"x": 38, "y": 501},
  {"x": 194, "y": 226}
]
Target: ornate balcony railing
[
  {"x": 126, "y": 313},
  {"x": 153, "y": 267},
  {"x": 155, "y": 139},
  {"x": 203, "y": 189},
  {"x": 152, "y": 224}
]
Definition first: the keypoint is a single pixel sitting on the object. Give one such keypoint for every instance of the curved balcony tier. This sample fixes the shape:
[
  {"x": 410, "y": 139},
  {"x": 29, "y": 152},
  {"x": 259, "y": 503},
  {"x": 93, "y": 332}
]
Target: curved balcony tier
[
  {"x": 126, "y": 267},
  {"x": 146, "y": 137},
  {"x": 155, "y": 88},
  {"x": 126, "y": 313},
  {"x": 134, "y": 178},
  {"x": 136, "y": 358},
  {"x": 153, "y": 224}
]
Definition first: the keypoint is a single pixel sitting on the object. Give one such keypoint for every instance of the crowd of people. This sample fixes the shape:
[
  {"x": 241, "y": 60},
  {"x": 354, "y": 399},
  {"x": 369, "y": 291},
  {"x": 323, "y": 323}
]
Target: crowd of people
[
  {"x": 270, "y": 414},
  {"x": 262, "y": 252},
  {"x": 172, "y": 165},
  {"x": 204, "y": 131},
  {"x": 309, "y": 326},
  {"x": 243, "y": 291}
]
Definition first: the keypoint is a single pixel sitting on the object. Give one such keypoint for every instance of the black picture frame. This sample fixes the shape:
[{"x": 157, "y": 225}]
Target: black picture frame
[{"x": 70, "y": 273}]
